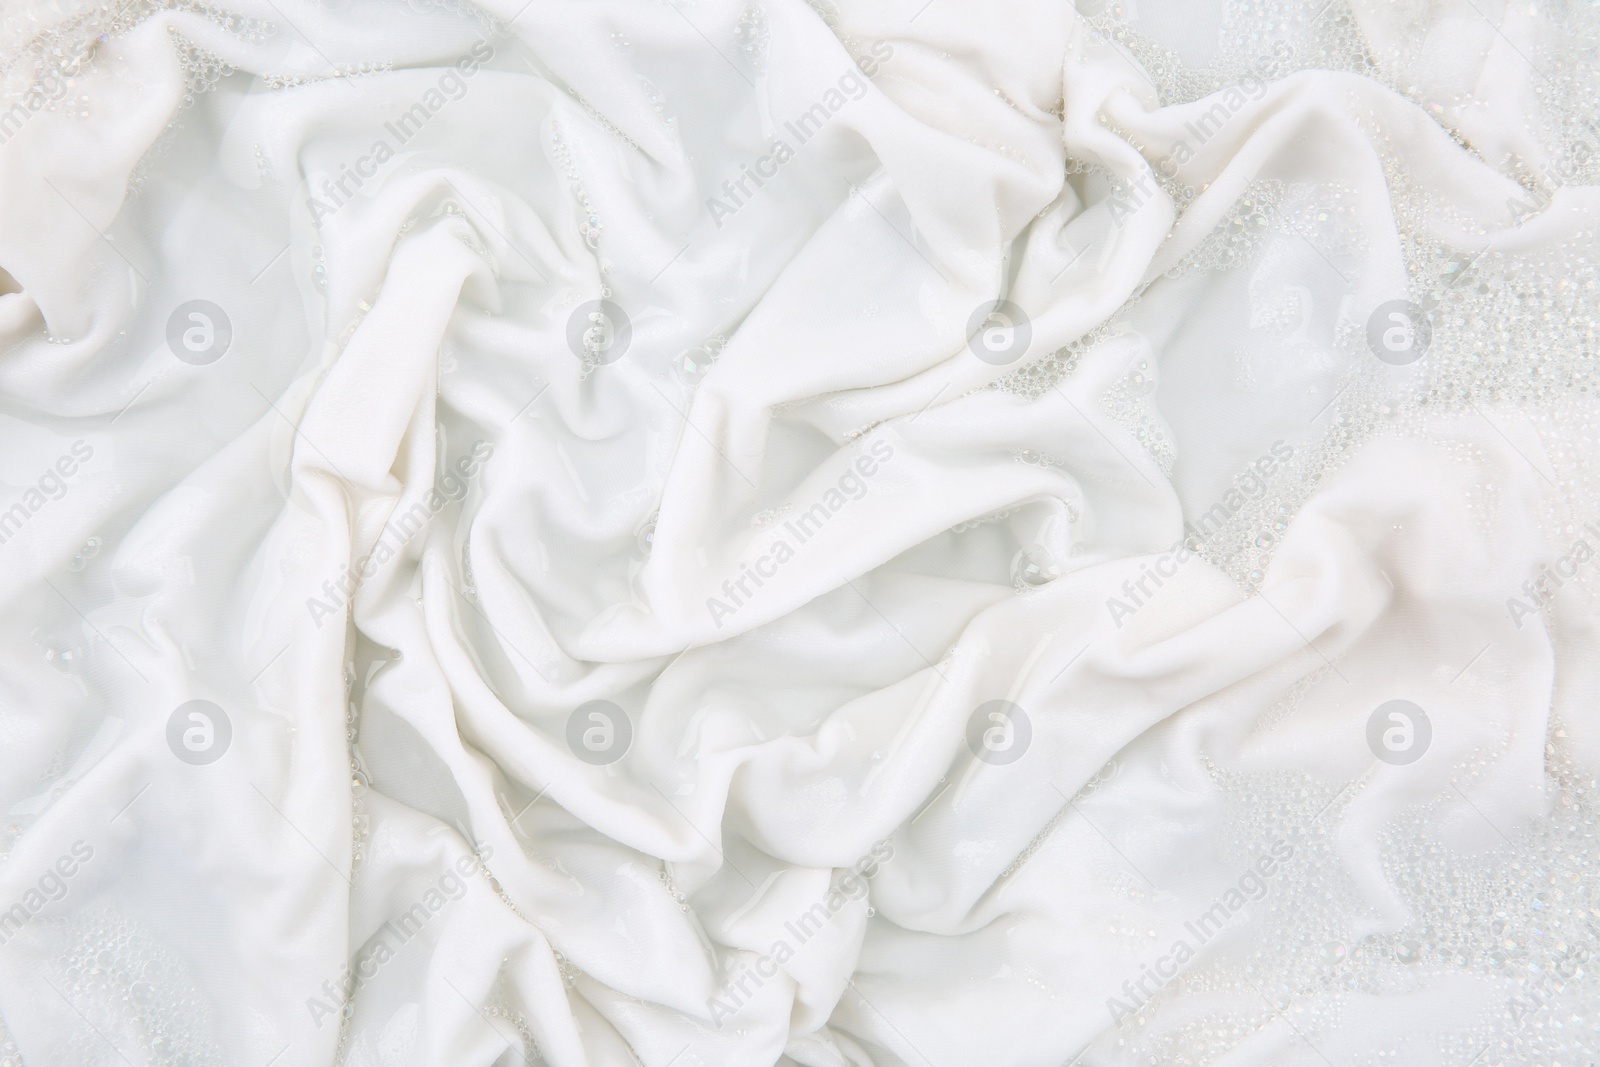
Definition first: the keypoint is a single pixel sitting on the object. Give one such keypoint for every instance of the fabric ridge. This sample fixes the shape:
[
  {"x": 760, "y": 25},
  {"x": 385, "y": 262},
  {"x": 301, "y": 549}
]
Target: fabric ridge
[{"x": 740, "y": 533}]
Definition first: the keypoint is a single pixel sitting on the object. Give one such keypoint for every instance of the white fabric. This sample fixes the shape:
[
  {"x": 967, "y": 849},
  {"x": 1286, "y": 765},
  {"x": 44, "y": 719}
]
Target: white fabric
[{"x": 800, "y": 858}]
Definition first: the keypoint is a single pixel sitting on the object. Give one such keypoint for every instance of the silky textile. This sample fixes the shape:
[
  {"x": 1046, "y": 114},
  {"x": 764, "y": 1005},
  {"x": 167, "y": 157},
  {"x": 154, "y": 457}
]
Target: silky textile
[{"x": 724, "y": 533}]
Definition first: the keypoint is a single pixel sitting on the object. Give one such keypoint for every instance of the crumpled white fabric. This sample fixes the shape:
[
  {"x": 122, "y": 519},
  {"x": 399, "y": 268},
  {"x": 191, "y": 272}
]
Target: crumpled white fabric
[{"x": 801, "y": 530}]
